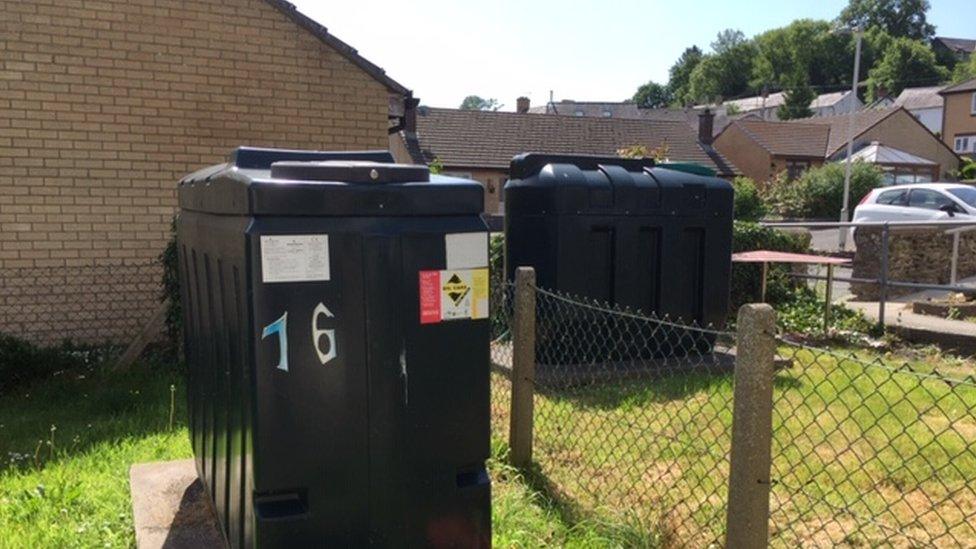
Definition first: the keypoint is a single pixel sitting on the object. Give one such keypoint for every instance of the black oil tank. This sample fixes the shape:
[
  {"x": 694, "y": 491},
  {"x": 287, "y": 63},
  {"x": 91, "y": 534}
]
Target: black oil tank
[
  {"x": 336, "y": 335},
  {"x": 623, "y": 232}
]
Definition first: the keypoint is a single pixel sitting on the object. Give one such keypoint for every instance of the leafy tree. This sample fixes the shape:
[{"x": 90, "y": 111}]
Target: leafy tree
[
  {"x": 805, "y": 45},
  {"x": 476, "y": 103},
  {"x": 680, "y": 74},
  {"x": 899, "y": 18},
  {"x": 965, "y": 71},
  {"x": 747, "y": 204},
  {"x": 652, "y": 95},
  {"x": 905, "y": 63},
  {"x": 797, "y": 98},
  {"x": 728, "y": 40},
  {"x": 725, "y": 73}
]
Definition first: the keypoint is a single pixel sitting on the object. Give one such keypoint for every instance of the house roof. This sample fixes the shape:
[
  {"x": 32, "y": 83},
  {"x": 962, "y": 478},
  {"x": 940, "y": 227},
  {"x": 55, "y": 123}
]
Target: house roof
[
  {"x": 786, "y": 138},
  {"x": 838, "y": 124},
  {"x": 876, "y": 153},
  {"x": 968, "y": 85},
  {"x": 485, "y": 139},
  {"x": 341, "y": 47},
  {"x": 920, "y": 98},
  {"x": 960, "y": 45},
  {"x": 774, "y": 100}
]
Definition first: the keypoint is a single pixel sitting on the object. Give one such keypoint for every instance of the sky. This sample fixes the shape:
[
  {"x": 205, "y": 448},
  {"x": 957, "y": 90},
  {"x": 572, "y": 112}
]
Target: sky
[{"x": 589, "y": 50}]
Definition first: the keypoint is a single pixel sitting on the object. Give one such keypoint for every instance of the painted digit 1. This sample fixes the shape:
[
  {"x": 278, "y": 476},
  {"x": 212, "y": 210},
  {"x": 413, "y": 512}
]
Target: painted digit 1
[
  {"x": 317, "y": 334},
  {"x": 279, "y": 327}
]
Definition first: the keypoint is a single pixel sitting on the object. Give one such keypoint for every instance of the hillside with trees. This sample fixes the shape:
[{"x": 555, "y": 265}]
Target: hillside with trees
[{"x": 809, "y": 57}]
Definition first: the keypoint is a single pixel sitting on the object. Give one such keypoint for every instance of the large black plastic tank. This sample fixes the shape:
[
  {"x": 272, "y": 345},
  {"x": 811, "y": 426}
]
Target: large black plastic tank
[
  {"x": 622, "y": 232},
  {"x": 336, "y": 335}
]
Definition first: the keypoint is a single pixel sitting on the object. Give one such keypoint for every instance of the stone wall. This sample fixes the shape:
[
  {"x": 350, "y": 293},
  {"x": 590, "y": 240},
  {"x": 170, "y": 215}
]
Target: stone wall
[{"x": 914, "y": 255}]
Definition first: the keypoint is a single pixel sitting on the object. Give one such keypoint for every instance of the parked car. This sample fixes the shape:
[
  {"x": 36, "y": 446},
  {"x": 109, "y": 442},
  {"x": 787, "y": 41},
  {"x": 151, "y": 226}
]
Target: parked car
[{"x": 918, "y": 202}]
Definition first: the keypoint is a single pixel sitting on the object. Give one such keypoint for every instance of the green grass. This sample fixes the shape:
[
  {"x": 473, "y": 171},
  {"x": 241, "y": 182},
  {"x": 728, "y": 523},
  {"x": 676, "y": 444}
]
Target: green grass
[
  {"x": 861, "y": 454},
  {"x": 70, "y": 487},
  {"x": 66, "y": 447}
]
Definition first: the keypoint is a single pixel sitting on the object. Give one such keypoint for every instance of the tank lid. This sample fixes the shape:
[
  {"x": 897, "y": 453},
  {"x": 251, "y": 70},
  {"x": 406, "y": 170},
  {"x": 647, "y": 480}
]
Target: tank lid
[{"x": 349, "y": 171}]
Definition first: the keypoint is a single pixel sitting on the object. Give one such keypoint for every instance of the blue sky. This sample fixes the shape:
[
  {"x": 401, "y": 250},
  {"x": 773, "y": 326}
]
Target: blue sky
[{"x": 583, "y": 50}]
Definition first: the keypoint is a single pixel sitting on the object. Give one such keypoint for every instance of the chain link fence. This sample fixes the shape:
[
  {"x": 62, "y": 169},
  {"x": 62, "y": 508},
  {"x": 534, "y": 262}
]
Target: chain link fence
[
  {"x": 632, "y": 415},
  {"x": 92, "y": 304},
  {"x": 632, "y": 426},
  {"x": 871, "y": 453}
]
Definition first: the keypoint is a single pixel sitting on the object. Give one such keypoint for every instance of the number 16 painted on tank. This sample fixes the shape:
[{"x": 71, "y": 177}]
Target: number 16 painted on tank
[{"x": 280, "y": 327}]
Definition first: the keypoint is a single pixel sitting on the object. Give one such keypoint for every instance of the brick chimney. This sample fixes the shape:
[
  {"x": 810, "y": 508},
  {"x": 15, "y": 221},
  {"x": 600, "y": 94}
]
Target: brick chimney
[
  {"x": 522, "y": 105},
  {"x": 706, "y": 122}
]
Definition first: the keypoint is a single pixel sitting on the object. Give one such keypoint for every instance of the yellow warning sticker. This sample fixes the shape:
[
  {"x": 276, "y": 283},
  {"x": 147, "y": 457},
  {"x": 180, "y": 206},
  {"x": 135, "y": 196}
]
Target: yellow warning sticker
[{"x": 479, "y": 293}]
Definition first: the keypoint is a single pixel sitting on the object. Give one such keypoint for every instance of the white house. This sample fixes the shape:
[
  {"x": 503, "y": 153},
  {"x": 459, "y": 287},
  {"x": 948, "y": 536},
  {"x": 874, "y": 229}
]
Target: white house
[
  {"x": 827, "y": 104},
  {"x": 925, "y": 104}
]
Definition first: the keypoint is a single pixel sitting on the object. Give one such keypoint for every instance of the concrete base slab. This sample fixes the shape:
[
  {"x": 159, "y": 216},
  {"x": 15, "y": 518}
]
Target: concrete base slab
[{"x": 171, "y": 508}]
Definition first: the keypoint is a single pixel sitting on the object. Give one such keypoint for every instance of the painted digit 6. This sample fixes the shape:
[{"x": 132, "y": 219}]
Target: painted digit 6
[{"x": 317, "y": 334}]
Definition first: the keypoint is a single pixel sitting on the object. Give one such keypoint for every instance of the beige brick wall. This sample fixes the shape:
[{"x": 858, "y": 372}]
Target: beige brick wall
[
  {"x": 902, "y": 131},
  {"x": 105, "y": 104},
  {"x": 959, "y": 118},
  {"x": 752, "y": 160}
]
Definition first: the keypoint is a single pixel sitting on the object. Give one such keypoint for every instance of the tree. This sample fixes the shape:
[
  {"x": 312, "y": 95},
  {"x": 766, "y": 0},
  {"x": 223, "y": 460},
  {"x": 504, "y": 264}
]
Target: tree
[
  {"x": 652, "y": 95},
  {"x": 680, "y": 74},
  {"x": 797, "y": 98},
  {"x": 899, "y": 18},
  {"x": 905, "y": 63},
  {"x": 805, "y": 45},
  {"x": 965, "y": 71},
  {"x": 726, "y": 72},
  {"x": 476, "y": 103}
]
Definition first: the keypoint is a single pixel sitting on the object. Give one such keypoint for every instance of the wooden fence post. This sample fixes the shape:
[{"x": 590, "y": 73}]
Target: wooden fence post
[
  {"x": 523, "y": 368},
  {"x": 747, "y": 522}
]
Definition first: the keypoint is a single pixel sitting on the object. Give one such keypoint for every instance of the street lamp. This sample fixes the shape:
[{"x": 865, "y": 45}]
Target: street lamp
[{"x": 858, "y": 33}]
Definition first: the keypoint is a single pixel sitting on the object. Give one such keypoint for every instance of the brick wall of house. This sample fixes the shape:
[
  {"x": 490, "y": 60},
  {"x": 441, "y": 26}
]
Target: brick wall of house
[
  {"x": 959, "y": 118},
  {"x": 105, "y": 104},
  {"x": 902, "y": 131},
  {"x": 752, "y": 160}
]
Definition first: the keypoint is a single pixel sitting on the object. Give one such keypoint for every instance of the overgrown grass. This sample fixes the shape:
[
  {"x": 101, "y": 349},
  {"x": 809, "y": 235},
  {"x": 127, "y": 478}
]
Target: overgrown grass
[
  {"x": 69, "y": 486},
  {"x": 866, "y": 451}
]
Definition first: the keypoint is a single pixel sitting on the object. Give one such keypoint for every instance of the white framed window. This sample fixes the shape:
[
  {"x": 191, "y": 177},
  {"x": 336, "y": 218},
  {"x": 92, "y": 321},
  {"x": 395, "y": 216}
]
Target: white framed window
[
  {"x": 964, "y": 143},
  {"x": 972, "y": 104}
]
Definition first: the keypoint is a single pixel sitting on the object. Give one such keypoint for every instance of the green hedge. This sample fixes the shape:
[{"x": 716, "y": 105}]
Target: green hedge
[
  {"x": 748, "y": 204},
  {"x": 22, "y": 362},
  {"x": 819, "y": 192}
]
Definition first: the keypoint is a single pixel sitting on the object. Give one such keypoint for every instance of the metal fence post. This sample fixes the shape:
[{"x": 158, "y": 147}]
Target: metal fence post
[
  {"x": 747, "y": 521},
  {"x": 523, "y": 368},
  {"x": 883, "y": 278}
]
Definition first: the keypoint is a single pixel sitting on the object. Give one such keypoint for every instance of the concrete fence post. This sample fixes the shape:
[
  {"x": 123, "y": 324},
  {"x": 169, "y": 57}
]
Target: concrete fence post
[
  {"x": 747, "y": 521},
  {"x": 523, "y": 368}
]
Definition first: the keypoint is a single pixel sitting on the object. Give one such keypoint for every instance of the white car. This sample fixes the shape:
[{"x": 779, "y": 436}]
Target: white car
[{"x": 918, "y": 202}]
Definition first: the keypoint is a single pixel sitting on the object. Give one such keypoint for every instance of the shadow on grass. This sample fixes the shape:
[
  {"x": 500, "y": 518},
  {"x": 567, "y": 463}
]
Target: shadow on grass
[
  {"x": 68, "y": 414},
  {"x": 575, "y": 516},
  {"x": 650, "y": 386}
]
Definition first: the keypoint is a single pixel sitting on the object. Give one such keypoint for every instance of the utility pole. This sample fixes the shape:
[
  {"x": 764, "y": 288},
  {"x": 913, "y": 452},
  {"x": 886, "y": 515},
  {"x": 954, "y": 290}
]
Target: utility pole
[{"x": 844, "y": 212}]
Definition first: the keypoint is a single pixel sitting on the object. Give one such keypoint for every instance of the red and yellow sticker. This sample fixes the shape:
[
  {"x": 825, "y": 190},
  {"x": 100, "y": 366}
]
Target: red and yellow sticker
[{"x": 457, "y": 294}]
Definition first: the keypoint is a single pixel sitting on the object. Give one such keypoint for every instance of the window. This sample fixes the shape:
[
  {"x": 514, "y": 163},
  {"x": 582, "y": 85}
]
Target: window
[
  {"x": 578, "y": 113},
  {"x": 795, "y": 168},
  {"x": 966, "y": 194},
  {"x": 928, "y": 199},
  {"x": 962, "y": 143},
  {"x": 607, "y": 113},
  {"x": 972, "y": 104},
  {"x": 893, "y": 198}
]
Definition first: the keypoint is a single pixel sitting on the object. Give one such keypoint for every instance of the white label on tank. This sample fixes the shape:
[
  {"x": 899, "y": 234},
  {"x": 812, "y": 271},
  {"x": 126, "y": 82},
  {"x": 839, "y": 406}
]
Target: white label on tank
[
  {"x": 295, "y": 258},
  {"x": 466, "y": 250}
]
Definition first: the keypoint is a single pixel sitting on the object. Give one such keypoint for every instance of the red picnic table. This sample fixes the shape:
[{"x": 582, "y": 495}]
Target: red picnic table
[{"x": 769, "y": 256}]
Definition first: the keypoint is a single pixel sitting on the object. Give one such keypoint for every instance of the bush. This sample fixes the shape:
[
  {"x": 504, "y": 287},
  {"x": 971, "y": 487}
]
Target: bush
[
  {"x": 171, "y": 289},
  {"x": 747, "y": 277},
  {"x": 803, "y": 314},
  {"x": 819, "y": 192},
  {"x": 748, "y": 205}
]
